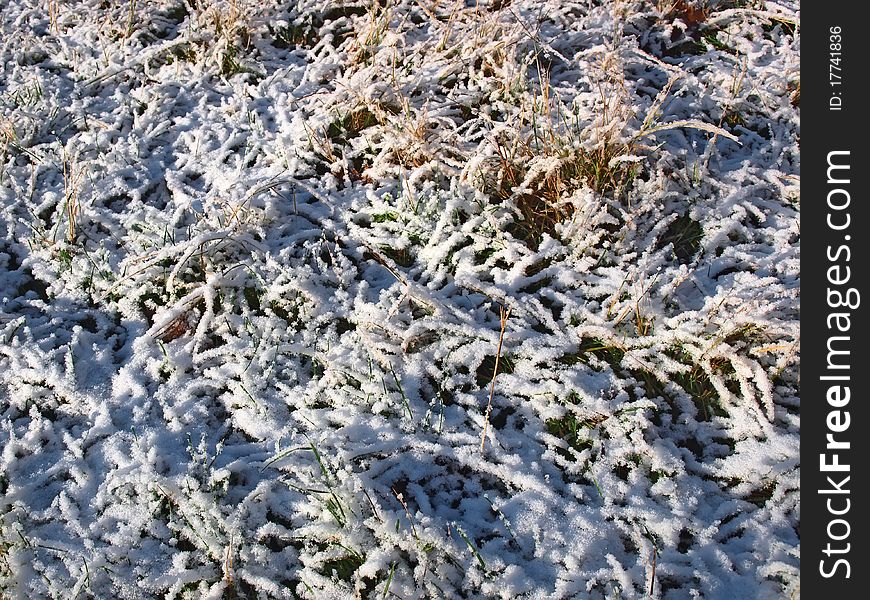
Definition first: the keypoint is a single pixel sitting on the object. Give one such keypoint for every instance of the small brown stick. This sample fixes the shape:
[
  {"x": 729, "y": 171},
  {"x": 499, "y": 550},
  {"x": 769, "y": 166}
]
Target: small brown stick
[
  {"x": 228, "y": 563},
  {"x": 504, "y": 314},
  {"x": 404, "y": 504}
]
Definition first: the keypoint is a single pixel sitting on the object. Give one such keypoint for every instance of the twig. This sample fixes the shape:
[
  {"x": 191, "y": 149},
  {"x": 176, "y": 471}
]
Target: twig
[
  {"x": 504, "y": 313},
  {"x": 228, "y": 563},
  {"x": 404, "y": 504}
]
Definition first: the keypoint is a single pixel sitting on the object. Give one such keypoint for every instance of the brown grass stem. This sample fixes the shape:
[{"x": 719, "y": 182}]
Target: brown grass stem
[{"x": 504, "y": 313}]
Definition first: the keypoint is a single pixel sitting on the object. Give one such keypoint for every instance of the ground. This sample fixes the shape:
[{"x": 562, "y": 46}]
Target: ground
[{"x": 437, "y": 299}]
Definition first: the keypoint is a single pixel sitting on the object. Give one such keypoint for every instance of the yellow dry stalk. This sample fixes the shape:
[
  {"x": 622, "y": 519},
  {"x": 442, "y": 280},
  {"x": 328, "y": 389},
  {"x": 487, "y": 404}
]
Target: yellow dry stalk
[
  {"x": 131, "y": 16},
  {"x": 7, "y": 132},
  {"x": 53, "y": 9},
  {"x": 72, "y": 177},
  {"x": 504, "y": 313},
  {"x": 228, "y": 563}
]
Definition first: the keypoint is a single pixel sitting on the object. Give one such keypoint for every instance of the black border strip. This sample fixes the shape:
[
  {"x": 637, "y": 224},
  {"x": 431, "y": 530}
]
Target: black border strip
[{"x": 834, "y": 292}]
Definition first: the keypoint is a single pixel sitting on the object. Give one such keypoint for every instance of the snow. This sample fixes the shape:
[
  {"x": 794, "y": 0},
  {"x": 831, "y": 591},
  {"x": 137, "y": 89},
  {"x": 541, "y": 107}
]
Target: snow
[{"x": 252, "y": 259}]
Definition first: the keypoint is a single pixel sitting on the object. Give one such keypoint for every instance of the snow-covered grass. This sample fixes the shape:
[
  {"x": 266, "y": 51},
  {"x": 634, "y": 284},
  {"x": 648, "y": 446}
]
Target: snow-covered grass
[{"x": 438, "y": 299}]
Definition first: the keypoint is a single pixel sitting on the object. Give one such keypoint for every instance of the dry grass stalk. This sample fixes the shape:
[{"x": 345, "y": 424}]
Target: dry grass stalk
[
  {"x": 53, "y": 8},
  {"x": 504, "y": 313},
  {"x": 72, "y": 178},
  {"x": 131, "y": 17}
]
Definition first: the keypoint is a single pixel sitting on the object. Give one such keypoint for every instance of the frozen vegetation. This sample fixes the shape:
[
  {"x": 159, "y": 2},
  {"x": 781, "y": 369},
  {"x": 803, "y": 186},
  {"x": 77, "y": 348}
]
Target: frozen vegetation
[{"x": 394, "y": 299}]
